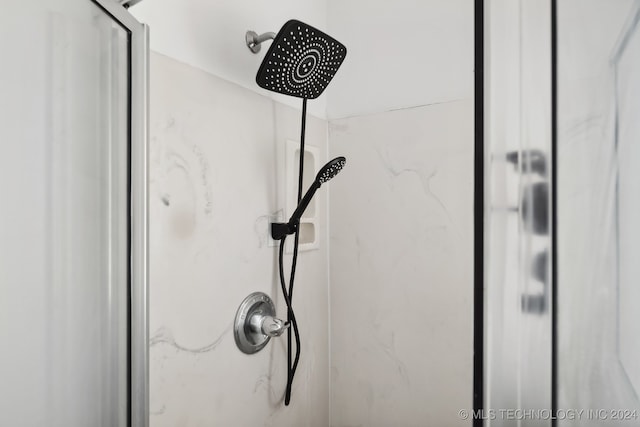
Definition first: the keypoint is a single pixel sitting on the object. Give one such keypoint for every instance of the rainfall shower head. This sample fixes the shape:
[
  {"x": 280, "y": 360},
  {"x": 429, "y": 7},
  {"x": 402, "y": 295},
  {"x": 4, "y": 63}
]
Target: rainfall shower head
[{"x": 301, "y": 61}]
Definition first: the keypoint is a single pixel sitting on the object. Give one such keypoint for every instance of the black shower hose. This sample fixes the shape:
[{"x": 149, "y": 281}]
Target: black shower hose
[
  {"x": 291, "y": 319},
  {"x": 288, "y": 295}
]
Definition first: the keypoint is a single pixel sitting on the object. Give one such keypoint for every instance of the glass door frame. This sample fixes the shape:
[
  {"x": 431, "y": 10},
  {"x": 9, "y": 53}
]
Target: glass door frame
[
  {"x": 138, "y": 321},
  {"x": 515, "y": 142}
]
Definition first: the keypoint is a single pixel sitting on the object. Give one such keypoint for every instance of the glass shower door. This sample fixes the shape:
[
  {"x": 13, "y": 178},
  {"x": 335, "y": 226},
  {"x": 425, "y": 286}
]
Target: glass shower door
[
  {"x": 518, "y": 227},
  {"x": 598, "y": 211},
  {"x": 562, "y": 342},
  {"x": 67, "y": 280}
]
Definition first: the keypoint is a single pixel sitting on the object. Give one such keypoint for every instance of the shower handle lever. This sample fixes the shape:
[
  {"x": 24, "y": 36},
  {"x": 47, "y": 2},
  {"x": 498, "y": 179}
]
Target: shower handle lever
[
  {"x": 254, "y": 40},
  {"x": 273, "y": 326},
  {"x": 262, "y": 323}
]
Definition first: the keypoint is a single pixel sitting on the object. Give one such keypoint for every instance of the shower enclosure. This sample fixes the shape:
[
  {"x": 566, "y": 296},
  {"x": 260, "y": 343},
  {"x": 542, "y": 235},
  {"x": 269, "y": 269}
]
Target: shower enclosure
[
  {"x": 561, "y": 205},
  {"x": 73, "y": 216},
  {"x": 385, "y": 295}
]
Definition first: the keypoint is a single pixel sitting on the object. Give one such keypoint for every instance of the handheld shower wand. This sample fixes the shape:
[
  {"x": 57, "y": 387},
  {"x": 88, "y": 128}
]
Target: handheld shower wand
[{"x": 280, "y": 229}]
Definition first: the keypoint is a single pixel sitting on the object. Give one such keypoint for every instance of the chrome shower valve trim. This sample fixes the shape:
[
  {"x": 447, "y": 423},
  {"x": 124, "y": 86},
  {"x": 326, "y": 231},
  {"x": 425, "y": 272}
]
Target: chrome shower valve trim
[{"x": 255, "y": 323}]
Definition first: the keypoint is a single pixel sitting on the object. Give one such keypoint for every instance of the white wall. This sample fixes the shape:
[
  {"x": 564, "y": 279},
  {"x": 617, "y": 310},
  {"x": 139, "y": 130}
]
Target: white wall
[
  {"x": 401, "y": 286},
  {"x": 216, "y": 171},
  {"x": 403, "y": 53},
  {"x": 401, "y": 267}
]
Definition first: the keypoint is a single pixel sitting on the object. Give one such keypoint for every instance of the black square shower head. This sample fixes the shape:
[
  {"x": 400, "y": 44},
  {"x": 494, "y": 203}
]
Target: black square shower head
[{"x": 301, "y": 61}]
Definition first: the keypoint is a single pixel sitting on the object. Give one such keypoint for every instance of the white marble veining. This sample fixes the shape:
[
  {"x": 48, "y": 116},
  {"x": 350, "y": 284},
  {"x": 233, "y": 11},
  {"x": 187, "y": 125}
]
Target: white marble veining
[
  {"x": 401, "y": 267},
  {"x": 216, "y": 160}
]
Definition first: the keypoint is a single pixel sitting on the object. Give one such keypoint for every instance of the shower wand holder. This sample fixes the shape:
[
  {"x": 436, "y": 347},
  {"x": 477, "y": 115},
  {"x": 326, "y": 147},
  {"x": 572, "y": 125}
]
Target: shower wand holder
[{"x": 280, "y": 230}]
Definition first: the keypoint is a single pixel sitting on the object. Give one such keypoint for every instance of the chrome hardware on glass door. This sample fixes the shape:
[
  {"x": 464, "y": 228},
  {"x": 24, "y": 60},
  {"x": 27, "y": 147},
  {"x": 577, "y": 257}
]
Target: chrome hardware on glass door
[{"x": 533, "y": 214}]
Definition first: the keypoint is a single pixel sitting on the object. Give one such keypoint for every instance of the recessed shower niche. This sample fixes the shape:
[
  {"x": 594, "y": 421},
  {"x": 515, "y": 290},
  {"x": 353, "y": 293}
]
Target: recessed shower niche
[{"x": 309, "y": 221}]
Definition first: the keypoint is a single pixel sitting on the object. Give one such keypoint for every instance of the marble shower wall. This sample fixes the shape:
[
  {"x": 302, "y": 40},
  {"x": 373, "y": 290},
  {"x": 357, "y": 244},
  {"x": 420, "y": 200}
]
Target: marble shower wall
[
  {"x": 216, "y": 174},
  {"x": 401, "y": 285}
]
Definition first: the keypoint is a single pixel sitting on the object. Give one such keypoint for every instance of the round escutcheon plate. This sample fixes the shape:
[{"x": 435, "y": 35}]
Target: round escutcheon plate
[{"x": 248, "y": 339}]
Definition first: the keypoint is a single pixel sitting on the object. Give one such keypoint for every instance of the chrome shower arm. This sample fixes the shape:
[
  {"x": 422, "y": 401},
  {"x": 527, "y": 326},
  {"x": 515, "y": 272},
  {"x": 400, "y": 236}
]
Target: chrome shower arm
[{"x": 254, "y": 40}]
